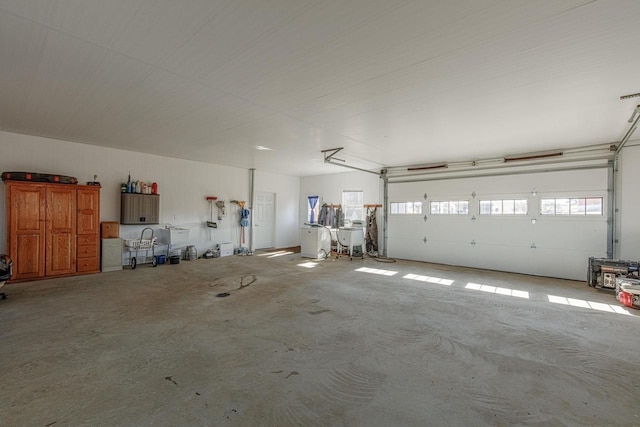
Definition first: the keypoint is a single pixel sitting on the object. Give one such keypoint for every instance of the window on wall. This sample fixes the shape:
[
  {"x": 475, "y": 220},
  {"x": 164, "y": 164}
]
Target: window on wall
[
  {"x": 353, "y": 205},
  {"x": 406, "y": 208},
  {"x": 503, "y": 207},
  {"x": 313, "y": 209},
  {"x": 572, "y": 206},
  {"x": 451, "y": 207}
]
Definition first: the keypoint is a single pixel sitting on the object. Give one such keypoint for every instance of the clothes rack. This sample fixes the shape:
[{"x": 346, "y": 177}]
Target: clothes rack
[{"x": 331, "y": 215}]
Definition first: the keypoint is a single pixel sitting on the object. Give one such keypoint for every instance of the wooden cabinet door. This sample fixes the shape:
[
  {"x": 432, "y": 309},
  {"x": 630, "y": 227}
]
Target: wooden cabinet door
[
  {"x": 60, "y": 231},
  {"x": 89, "y": 210},
  {"x": 26, "y": 229}
]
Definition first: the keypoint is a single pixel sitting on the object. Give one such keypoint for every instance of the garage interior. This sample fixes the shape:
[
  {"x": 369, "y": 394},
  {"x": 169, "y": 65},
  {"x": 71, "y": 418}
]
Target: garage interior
[{"x": 494, "y": 139}]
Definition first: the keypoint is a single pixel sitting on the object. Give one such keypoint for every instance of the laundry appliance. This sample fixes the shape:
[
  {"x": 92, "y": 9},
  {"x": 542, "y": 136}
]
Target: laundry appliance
[
  {"x": 351, "y": 238},
  {"x": 315, "y": 241}
]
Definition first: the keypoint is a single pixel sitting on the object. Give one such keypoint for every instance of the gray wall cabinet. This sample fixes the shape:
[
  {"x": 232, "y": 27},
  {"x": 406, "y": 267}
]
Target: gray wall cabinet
[{"x": 139, "y": 208}]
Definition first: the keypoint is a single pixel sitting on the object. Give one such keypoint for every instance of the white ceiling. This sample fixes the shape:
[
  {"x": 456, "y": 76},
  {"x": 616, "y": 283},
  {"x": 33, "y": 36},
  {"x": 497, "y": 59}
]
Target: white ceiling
[{"x": 395, "y": 82}]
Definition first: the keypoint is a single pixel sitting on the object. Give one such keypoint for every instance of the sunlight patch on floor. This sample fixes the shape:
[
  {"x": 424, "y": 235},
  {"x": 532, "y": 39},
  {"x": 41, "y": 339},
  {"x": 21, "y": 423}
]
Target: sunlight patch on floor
[
  {"x": 497, "y": 290},
  {"x": 377, "y": 271},
  {"x": 438, "y": 280},
  {"x": 308, "y": 264},
  {"x": 270, "y": 253},
  {"x": 587, "y": 304},
  {"x": 280, "y": 254}
]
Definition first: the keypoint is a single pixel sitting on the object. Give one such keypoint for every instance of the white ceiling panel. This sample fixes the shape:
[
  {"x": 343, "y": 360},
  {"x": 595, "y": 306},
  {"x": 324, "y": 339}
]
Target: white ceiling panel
[
  {"x": 32, "y": 10},
  {"x": 21, "y": 43},
  {"x": 96, "y": 21},
  {"x": 160, "y": 27},
  {"x": 438, "y": 69},
  {"x": 370, "y": 51},
  {"x": 395, "y": 82},
  {"x": 291, "y": 45},
  {"x": 235, "y": 31}
]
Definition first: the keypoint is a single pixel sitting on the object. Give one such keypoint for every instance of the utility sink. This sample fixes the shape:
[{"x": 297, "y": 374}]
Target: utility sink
[{"x": 174, "y": 236}]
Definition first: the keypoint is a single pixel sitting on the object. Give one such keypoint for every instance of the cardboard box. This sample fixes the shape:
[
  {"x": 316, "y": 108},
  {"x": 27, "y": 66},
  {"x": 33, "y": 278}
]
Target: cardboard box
[
  {"x": 226, "y": 249},
  {"x": 109, "y": 229}
]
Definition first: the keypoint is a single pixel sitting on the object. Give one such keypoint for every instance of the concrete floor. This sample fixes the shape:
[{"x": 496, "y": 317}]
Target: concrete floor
[{"x": 327, "y": 345}]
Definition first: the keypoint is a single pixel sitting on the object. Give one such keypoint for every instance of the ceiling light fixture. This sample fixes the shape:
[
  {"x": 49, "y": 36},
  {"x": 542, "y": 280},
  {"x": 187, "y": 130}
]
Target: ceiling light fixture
[{"x": 261, "y": 148}]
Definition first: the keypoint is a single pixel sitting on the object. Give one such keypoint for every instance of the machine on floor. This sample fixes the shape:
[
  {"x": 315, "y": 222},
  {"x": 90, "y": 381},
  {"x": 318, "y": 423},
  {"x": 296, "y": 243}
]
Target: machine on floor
[
  {"x": 602, "y": 272},
  {"x": 315, "y": 241},
  {"x": 621, "y": 275},
  {"x": 628, "y": 292},
  {"x": 351, "y": 239}
]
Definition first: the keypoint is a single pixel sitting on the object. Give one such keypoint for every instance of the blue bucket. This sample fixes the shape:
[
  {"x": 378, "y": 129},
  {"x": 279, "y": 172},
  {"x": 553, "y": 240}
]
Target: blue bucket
[{"x": 161, "y": 259}]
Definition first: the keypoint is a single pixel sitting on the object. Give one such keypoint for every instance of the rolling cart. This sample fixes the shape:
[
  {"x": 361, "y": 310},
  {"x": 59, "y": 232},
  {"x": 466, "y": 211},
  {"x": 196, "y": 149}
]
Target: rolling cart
[{"x": 139, "y": 249}]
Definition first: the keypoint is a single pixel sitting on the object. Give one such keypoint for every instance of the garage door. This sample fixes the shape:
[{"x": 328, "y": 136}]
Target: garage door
[{"x": 545, "y": 224}]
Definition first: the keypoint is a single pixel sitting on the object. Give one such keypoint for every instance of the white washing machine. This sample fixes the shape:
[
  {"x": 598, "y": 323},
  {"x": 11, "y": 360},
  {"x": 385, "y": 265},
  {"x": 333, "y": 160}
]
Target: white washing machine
[{"x": 315, "y": 242}]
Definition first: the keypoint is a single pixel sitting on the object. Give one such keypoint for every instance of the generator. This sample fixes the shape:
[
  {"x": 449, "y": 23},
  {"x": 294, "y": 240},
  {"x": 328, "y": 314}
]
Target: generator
[{"x": 603, "y": 272}]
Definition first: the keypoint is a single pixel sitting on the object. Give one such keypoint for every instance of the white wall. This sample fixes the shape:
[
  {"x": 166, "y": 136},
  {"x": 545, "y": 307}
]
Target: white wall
[
  {"x": 628, "y": 202},
  {"x": 183, "y": 185},
  {"x": 330, "y": 187}
]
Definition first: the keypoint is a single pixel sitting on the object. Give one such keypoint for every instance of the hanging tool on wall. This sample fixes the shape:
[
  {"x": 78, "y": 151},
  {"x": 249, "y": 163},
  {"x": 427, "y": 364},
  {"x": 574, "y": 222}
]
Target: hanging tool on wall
[
  {"x": 237, "y": 211},
  {"x": 244, "y": 220},
  {"x": 212, "y": 223},
  {"x": 221, "y": 209}
]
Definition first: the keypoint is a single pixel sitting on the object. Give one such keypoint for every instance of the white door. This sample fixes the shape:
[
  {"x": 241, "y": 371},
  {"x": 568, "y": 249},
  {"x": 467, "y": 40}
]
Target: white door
[{"x": 264, "y": 220}]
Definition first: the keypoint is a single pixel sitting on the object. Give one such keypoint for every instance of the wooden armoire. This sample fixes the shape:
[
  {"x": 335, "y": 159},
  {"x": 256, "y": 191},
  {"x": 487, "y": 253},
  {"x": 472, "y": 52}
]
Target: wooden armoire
[{"x": 52, "y": 229}]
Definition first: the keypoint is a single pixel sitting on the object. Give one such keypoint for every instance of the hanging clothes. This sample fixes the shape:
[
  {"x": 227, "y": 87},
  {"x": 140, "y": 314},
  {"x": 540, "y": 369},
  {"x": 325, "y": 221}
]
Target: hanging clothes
[
  {"x": 331, "y": 217},
  {"x": 322, "y": 216},
  {"x": 339, "y": 218},
  {"x": 371, "y": 235}
]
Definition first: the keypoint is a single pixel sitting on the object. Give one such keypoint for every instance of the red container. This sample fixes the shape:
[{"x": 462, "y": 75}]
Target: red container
[
  {"x": 154, "y": 188},
  {"x": 626, "y": 299}
]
